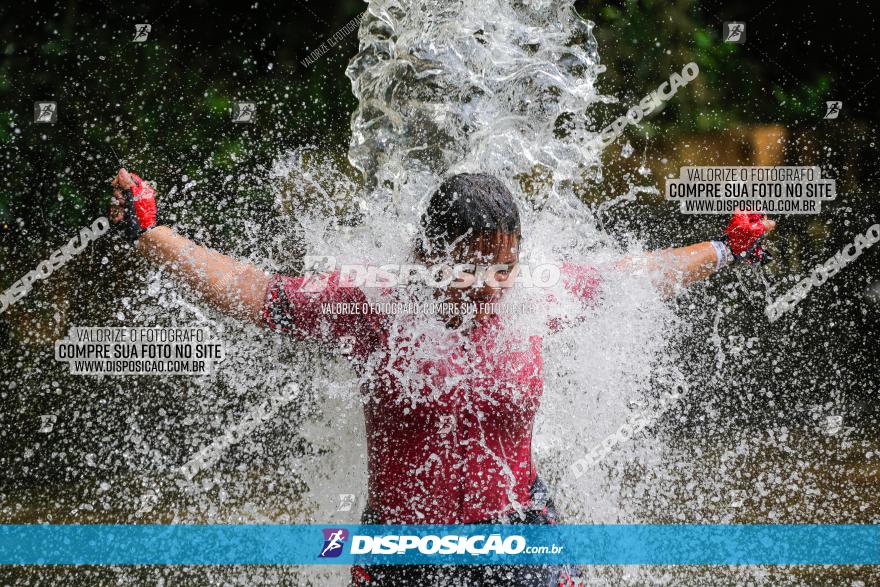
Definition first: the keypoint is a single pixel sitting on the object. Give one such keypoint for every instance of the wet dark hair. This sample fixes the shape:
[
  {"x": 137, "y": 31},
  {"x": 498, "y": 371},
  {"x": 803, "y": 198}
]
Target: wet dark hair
[{"x": 468, "y": 205}]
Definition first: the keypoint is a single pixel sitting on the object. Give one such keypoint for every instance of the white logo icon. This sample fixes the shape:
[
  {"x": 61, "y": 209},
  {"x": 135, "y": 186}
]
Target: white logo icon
[
  {"x": 346, "y": 502},
  {"x": 833, "y": 424},
  {"x": 47, "y": 423},
  {"x": 735, "y": 32},
  {"x": 346, "y": 344},
  {"x": 833, "y": 109},
  {"x": 45, "y": 112},
  {"x": 447, "y": 423},
  {"x": 243, "y": 111},
  {"x": 141, "y": 32},
  {"x": 334, "y": 543}
]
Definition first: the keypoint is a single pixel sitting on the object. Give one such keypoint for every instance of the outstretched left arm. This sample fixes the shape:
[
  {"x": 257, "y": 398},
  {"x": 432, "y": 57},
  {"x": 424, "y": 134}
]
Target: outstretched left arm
[
  {"x": 680, "y": 266},
  {"x": 685, "y": 265}
]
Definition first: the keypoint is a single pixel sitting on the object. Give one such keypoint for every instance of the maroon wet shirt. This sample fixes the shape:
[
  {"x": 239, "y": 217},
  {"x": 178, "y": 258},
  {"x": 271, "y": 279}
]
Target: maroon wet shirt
[{"x": 449, "y": 417}]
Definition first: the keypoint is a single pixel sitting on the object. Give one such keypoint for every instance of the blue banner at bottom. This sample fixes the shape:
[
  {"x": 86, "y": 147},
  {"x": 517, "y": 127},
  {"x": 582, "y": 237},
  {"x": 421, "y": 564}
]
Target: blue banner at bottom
[{"x": 98, "y": 544}]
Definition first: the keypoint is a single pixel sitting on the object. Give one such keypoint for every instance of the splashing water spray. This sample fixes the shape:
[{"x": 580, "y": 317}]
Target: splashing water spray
[
  {"x": 504, "y": 88},
  {"x": 491, "y": 86}
]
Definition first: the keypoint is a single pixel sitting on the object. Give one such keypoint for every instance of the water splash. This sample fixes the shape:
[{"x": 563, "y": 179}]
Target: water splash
[{"x": 506, "y": 88}]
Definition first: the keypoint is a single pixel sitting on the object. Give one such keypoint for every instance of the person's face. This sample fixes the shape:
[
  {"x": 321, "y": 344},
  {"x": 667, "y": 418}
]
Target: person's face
[{"x": 484, "y": 251}]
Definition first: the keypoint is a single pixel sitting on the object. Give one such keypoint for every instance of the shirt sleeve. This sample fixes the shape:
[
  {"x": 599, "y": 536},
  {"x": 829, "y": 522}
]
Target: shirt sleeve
[
  {"x": 320, "y": 309},
  {"x": 582, "y": 282}
]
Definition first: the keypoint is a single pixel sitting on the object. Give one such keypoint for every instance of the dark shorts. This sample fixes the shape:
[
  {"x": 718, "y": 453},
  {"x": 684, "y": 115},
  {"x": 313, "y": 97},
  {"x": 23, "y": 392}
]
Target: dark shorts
[{"x": 474, "y": 575}]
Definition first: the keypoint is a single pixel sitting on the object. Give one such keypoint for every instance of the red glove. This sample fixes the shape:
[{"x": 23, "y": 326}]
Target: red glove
[
  {"x": 744, "y": 236},
  {"x": 134, "y": 204}
]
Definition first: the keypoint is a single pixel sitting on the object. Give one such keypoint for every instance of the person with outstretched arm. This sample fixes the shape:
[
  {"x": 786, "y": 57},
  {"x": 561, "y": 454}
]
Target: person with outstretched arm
[{"x": 449, "y": 427}]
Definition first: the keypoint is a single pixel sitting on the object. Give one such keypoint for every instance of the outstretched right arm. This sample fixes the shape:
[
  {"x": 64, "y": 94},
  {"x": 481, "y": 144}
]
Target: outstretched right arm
[
  {"x": 292, "y": 305},
  {"x": 233, "y": 287}
]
